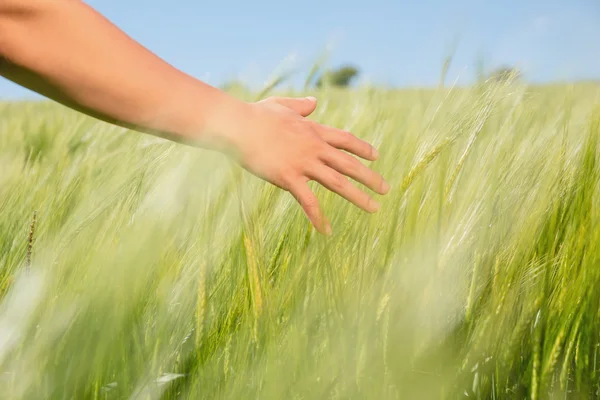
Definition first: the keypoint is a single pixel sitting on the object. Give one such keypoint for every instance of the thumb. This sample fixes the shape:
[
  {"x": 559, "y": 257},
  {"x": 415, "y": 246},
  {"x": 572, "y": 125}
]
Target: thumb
[{"x": 302, "y": 105}]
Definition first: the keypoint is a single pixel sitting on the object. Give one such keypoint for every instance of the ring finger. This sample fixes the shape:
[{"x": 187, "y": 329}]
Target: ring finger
[{"x": 338, "y": 183}]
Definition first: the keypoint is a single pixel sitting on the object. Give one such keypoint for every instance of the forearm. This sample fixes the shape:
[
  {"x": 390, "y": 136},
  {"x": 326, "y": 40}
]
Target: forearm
[{"x": 66, "y": 51}]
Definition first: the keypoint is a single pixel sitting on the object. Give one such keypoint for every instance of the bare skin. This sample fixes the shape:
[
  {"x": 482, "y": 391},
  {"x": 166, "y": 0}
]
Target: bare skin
[{"x": 68, "y": 52}]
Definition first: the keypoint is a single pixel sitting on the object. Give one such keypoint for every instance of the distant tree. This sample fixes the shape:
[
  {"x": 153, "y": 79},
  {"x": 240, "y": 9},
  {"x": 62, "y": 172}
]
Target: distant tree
[
  {"x": 340, "y": 77},
  {"x": 505, "y": 73}
]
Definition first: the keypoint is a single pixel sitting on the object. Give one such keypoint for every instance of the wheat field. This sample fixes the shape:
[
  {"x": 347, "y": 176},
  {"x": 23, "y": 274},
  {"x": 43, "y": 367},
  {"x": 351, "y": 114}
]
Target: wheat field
[{"x": 135, "y": 268}]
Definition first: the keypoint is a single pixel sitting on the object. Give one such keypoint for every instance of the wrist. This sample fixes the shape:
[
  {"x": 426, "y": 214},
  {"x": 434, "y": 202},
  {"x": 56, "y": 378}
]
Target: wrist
[{"x": 215, "y": 118}]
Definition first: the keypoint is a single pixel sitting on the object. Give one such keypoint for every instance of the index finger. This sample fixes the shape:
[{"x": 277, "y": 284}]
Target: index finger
[{"x": 344, "y": 140}]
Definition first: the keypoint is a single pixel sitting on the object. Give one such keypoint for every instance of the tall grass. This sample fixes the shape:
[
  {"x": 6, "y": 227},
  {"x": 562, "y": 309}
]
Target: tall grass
[{"x": 160, "y": 271}]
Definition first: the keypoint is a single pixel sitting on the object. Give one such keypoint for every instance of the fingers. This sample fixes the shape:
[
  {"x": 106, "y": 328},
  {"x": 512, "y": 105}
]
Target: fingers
[
  {"x": 350, "y": 166},
  {"x": 346, "y": 141},
  {"x": 310, "y": 204},
  {"x": 337, "y": 138},
  {"x": 303, "y": 105},
  {"x": 339, "y": 184}
]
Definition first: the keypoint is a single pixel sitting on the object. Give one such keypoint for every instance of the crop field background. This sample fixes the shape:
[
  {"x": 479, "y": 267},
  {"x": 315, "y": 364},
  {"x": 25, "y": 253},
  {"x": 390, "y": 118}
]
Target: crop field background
[{"x": 135, "y": 268}]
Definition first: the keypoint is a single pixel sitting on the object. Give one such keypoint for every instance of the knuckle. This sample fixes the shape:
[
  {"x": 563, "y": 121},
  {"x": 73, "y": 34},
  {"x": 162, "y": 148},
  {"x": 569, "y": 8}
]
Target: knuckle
[
  {"x": 353, "y": 166},
  {"x": 346, "y": 139},
  {"x": 265, "y": 101},
  {"x": 323, "y": 148},
  {"x": 339, "y": 182},
  {"x": 295, "y": 124},
  {"x": 310, "y": 202},
  {"x": 318, "y": 147},
  {"x": 361, "y": 198}
]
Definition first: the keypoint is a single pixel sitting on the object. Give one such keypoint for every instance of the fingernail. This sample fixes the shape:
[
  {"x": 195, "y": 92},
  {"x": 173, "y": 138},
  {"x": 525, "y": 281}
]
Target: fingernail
[
  {"x": 385, "y": 187},
  {"x": 375, "y": 206},
  {"x": 328, "y": 230},
  {"x": 374, "y": 152},
  {"x": 311, "y": 98}
]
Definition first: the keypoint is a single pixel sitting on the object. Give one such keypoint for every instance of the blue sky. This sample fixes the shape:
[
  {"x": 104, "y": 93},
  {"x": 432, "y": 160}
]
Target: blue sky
[{"x": 402, "y": 43}]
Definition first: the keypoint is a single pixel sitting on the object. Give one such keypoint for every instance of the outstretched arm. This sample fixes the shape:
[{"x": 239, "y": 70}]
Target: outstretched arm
[{"x": 66, "y": 51}]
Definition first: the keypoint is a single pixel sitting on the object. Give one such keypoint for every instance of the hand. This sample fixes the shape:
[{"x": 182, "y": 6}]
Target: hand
[
  {"x": 283, "y": 147},
  {"x": 73, "y": 63}
]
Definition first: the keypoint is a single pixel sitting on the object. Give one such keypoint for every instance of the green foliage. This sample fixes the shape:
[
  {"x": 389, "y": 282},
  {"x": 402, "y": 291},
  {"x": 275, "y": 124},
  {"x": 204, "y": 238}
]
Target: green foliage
[
  {"x": 340, "y": 77},
  {"x": 161, "y": 271}
]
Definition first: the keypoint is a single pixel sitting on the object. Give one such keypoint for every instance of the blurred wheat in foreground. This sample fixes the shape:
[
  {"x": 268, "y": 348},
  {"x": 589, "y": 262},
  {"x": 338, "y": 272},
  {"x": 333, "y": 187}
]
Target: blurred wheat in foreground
[{"x": 158, "y": 271}]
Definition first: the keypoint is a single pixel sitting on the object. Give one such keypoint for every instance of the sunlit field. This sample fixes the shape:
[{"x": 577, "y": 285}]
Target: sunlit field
[{"x": 135, "y": 268}]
